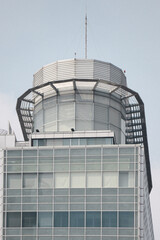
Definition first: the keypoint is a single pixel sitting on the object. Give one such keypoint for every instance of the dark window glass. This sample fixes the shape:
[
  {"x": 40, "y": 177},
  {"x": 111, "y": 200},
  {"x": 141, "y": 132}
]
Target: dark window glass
[
  {"x": 77, "y": 219},
  {"x": 109, "y": 219},
  {"x": 29, "y": 219},
  {"x": 126, "y": 219},
  {"x": 93, "y": 219},
  {"x": 45, "y": 219},
  {"x": 13, "y": 219},
  {"x": 61, "y": 219}
]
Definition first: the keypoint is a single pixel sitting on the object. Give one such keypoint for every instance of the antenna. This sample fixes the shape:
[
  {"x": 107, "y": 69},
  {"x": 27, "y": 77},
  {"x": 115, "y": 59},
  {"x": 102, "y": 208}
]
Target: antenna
[{"x": 86, "y": 33}]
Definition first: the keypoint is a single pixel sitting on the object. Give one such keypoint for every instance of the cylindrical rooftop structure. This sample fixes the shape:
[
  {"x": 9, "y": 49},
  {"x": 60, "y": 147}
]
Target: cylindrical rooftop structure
[{"x": 78, "y": 104}]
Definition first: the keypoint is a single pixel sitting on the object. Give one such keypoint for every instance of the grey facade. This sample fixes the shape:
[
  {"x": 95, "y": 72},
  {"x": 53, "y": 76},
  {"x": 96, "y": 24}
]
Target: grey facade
[{"x": 83, "y": 171}]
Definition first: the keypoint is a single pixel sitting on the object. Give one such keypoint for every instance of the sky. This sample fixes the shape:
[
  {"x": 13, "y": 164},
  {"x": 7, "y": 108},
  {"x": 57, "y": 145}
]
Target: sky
[{"x": 126, "y": 33}]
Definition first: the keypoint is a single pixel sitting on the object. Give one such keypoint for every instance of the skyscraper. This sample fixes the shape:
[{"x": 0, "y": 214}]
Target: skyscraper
[{"x": 83, "y": 171}]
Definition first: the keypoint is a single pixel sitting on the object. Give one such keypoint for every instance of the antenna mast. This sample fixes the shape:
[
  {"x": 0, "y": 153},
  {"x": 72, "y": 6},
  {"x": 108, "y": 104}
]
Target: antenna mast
[{"x": 86, "y": 36}]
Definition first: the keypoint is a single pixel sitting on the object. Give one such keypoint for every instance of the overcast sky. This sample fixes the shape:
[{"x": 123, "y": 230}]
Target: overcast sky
[{"x": 126, "y": 33}]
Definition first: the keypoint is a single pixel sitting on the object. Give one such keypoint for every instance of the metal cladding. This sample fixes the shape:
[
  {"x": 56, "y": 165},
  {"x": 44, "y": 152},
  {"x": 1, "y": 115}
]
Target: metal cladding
[{"x": 79, "y": 69}]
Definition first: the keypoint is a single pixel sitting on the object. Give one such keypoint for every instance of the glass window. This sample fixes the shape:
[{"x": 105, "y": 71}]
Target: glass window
[
  {"x": 126, "y": 150},
  {"x": 77, "y": 180},
  {"x": 126, "y": 158},
  {"x": 45, "y": 160},
  {"x": 45, "y": 180},
  {"x": 94, "y": 180},
  {"x": 82, "y": 109},
  {"x": 31, "y": 153},
  {"x": 50, "y": 116},
  {"x": 61, "y": 219},
  {"x": 45, "y": 219},
  {"x": 126, "y": 219},
  {"x": 30, "y": 160},
  {"x": 34, "y": 142},
  {"x": 82, "y": 141},
  {"x": 66, "y": 125},
  {"x": 77, "y": 155},
  {"x": 61, "y": 180},
  {"x": 14, "y": 180},
  {"x": 66, "y": 141},
  {"x": 29, "y": 219},
  {"x": 38, "y": 120},
  {"x": 46, "y": 153},
  {"x": 110, "y": 179},
  {"x": 61, "y": 167},
  {"x": 93, "y": 152},
  {"x": 110, "y": 158},
  {"x": 13, "y": 153},
  {"x": 74, "y": 141},
  {"x": 61, "y": 152},
  {"x": 30, "y": 180},
  {"x": 123, "y": 179},
  {"x": 76, "y": 219},
  {"x": 109, "y": 219},
  {"x": 110, "y": 151},
  {"x": 101, "y": 114},
  {"x": 93, "y": 219},
  {"x": 66, "y": 111},
  {"x": 13, "y": 219},
  {"x": 131, "y": 179},
  {"x": 77, "y": 167},
  {"x": 110, "y": 166},
  {"x": 14, "y": 160}
]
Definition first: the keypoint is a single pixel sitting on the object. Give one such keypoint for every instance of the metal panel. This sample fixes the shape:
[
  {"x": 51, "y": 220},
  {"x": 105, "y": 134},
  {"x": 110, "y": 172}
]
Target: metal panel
[
  {"x": 84, "y": 69},
  {"x": 79, "y": 69},
  {"x": 50, "y": 72},
  {"x": 101, "y": 70},
  {"x": 65, "y": 70}
]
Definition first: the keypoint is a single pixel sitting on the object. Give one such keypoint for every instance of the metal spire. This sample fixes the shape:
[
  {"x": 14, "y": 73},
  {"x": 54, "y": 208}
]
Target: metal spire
[{"x": 86, "y": 35}]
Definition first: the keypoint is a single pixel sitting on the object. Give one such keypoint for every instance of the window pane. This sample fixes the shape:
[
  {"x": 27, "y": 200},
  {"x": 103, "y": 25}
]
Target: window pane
[
  {"x": 126, "y": 150},
  {"x": 61, "y": 219},
  {"x": 123, "y": 179},
  {"x": 110, "y": 179},
  {"x": 12, "y": 153},
  {"x": 109, "y": 219},
  {"x": 30, "y": 153},
  {"x": 77, "y": 180},
  {"x": 93, "y": 152},
  {"x": 74, "y": 141},
  {"x": 131, "y": 179},
  {"x": 77, "y": 219},
  {"x": 66, "y": 111},
  {"x": 82, "y": 109},
  {"x": 61, "y": 152},
  {"x": 29, "y": 219},
  {"x": 30, "y": 180},
  {"x": 13, "y": 219},
  {"x": 126, "y": 219},
  {"x": 45, "y": 219},
  {"x": 14, "y": 181},
  {"x": 45, "y": 180},
  {"x": 94, "y": 180},
  {"x": 46, "y": 153},
  {"x": 61, "y": 180},
  {"x": 93, "y": 219}
]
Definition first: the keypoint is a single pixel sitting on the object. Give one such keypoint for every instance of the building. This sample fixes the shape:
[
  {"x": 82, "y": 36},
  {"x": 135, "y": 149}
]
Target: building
[{"x": 83, "y": 171}]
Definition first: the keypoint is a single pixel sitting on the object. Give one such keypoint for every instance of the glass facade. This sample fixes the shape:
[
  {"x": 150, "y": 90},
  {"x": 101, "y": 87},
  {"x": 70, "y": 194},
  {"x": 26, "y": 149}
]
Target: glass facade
[
  {"x": 83, "y": 110},
  {"x": 72, "y": 141},
  {"x": 71, "y": 192}
]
